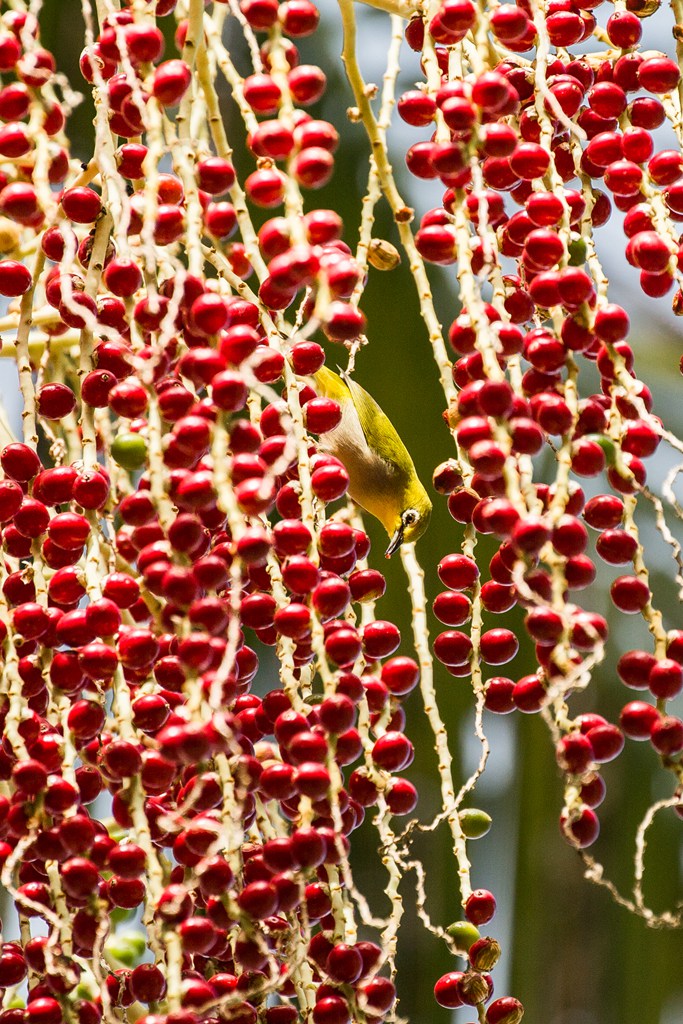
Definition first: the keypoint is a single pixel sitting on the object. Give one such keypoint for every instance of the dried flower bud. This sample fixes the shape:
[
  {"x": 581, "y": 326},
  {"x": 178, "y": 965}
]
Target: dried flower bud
[
  {"x": 447, "y": 477},
  {"x": 645, "y": 8},
  {"x": 474, "y": 988},
  {"x": 484, "y": 953},
  {"x": 404, "y": 215},
  {"x": 9, "y": 234},
  {"x": 383, "y": 255}
]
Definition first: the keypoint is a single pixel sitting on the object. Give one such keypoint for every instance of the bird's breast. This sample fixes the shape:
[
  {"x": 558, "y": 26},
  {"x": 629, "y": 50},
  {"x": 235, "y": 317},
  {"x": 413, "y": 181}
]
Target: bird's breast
[{"x": 374, "y": 483}]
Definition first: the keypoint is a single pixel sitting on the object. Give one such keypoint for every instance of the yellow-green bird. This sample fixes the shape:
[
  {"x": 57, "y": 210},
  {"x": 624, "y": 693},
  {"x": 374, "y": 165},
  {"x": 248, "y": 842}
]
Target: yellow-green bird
[{"x": 382, "y": 477}]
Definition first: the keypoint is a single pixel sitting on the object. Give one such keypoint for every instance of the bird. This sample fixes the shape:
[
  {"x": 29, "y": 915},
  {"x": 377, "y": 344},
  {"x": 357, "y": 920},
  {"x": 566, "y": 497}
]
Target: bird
[{"x": 382, "y": 475}]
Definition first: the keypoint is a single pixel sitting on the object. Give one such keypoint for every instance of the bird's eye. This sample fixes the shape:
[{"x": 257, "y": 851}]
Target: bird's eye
[{"x": 410, "y": 516}]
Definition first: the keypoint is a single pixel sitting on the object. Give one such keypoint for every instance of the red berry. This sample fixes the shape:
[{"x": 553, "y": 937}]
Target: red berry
[
  {"x": 667, "y": 736},
  {"x": 306, "y": 84},
  {"x": 171, "y": 82},
  {"x": 630, "y": 594},
  {"x": 453, "y": 648},
  {"x": 574, "y": 753},
  {"x": 658, "y": 74},
  {"x": 498, "y": 646},
  {"x": 19, "y": 461},
  {"x": 458, "y": 572},
  {"x": 665, "y": 679},
  {"x": 480, "y": 906},
  {"x": 393, "y": 751},
  {"x": 581, "y": 828},
  {"x": 616, "y": 547},
  {"x": 504, "y": 1011},
  {"x": 15, "y": 278},
  {"x": 332, "y": 1009},
  {"x": 624, "y": 29},
  {"x": 447, "y": 990},
  {"x": 82, "y": 205},
  {"x": 637, "y": 719},
  {"x": 55, "y": 401},
  {"x": 344, "y": 964}
]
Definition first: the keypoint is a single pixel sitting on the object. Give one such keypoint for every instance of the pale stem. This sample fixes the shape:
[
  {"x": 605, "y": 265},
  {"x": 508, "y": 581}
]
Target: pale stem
[
  {"x": 28, "y": 415},
  {"x": 85, "y": 364},
  {"x": 404, "y": 9},
  {"x": 651, "y": 614},
  {"x": 415, "y": 578},
  {"x": 373, "y": 190},
  {"x": 223, "y": 148},
  {"x": 402, "y": 213}
]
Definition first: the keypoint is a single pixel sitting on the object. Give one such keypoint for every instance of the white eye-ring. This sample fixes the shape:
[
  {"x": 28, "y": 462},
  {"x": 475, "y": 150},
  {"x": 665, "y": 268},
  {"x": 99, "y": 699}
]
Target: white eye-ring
[{"x": 409, "y": 517}]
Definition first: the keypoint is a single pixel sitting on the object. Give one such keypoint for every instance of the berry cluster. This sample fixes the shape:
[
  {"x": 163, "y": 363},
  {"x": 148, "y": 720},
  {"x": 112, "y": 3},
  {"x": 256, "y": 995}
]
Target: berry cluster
[
  {"x": 141, "y": 551},
  {"x": 163, "y": 521},
  {"x": 520, "y": 147}
]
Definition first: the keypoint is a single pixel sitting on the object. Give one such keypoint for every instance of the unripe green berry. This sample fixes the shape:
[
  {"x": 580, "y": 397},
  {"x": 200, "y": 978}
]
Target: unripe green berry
[
  {"x": 607, "y": 445},
  {"x": 126, "y": 947},
  {"x": 463, "y": 934},
  {"x": 86, "y": 990},
  {"x": 577, "y": 252},
  {"x": 474, "y": 822},
  {"x": 129, "y": 450}
]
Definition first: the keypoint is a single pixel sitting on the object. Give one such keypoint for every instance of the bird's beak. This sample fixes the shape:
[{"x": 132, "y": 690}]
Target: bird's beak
[{"x": 395, "y": 542}]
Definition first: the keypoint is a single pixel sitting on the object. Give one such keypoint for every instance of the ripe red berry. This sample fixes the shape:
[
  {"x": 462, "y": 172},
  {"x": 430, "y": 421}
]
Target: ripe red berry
[
  {"x": 123, "y": 277},
  {"x": 637, "y": 719},
  {"x": 332, "y": 1009},
  {"x": 15, "y": 278},
  {"x": 667, "y": 736},
  {"x": 624, "y": 29},
  {"x": 171, "y": 82},
  {"x": 81, "y": 204},
  {"x": 453, "y": 648},
  {"x": 480, "y": 906},
  {"x": 498, "y": 646},
  {"x": 55, "y": 401},
  {"x": 658, "y": 74},
  {"x": 393, "y": 751},
  {"x": 452, "y": 608},
  {"x": 665, "y": 679},
  {"x": 458, "y": 572},
  {"x": 19, "y": 461},
  {"x": 447, "y": 990},
  {"x": 504, "y": 1011},
  {"x": 630, "y": 594}
]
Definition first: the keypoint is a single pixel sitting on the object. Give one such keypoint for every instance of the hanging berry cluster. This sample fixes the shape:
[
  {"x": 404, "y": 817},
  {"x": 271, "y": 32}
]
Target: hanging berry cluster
[
  {"x": 545, "y": 132},
  {"x": 535, "y": 154},
  {"x": 164, "y": 514}
]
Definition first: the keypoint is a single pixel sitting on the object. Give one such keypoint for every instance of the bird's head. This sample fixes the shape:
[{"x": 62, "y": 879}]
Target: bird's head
[{"x": 411, "y": 522}]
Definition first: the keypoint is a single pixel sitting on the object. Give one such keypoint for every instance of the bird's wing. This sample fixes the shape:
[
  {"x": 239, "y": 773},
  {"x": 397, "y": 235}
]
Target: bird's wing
[{"x": 378, "y": 429}]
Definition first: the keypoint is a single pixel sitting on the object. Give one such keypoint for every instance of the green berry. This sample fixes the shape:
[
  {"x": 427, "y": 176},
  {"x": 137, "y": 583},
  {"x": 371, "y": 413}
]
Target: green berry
[
  {"x": 114, "y": 830},
  {"x": 129, "y": 450},
  {"x": 577, "y": 251},
  {"x": 86, "y": 990},
  {"x": 463, "y": 934},
  {"x": 608, "y": 447},
  {"x": 126, "y": 946},
  {"x": 474, "y": 822}
]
